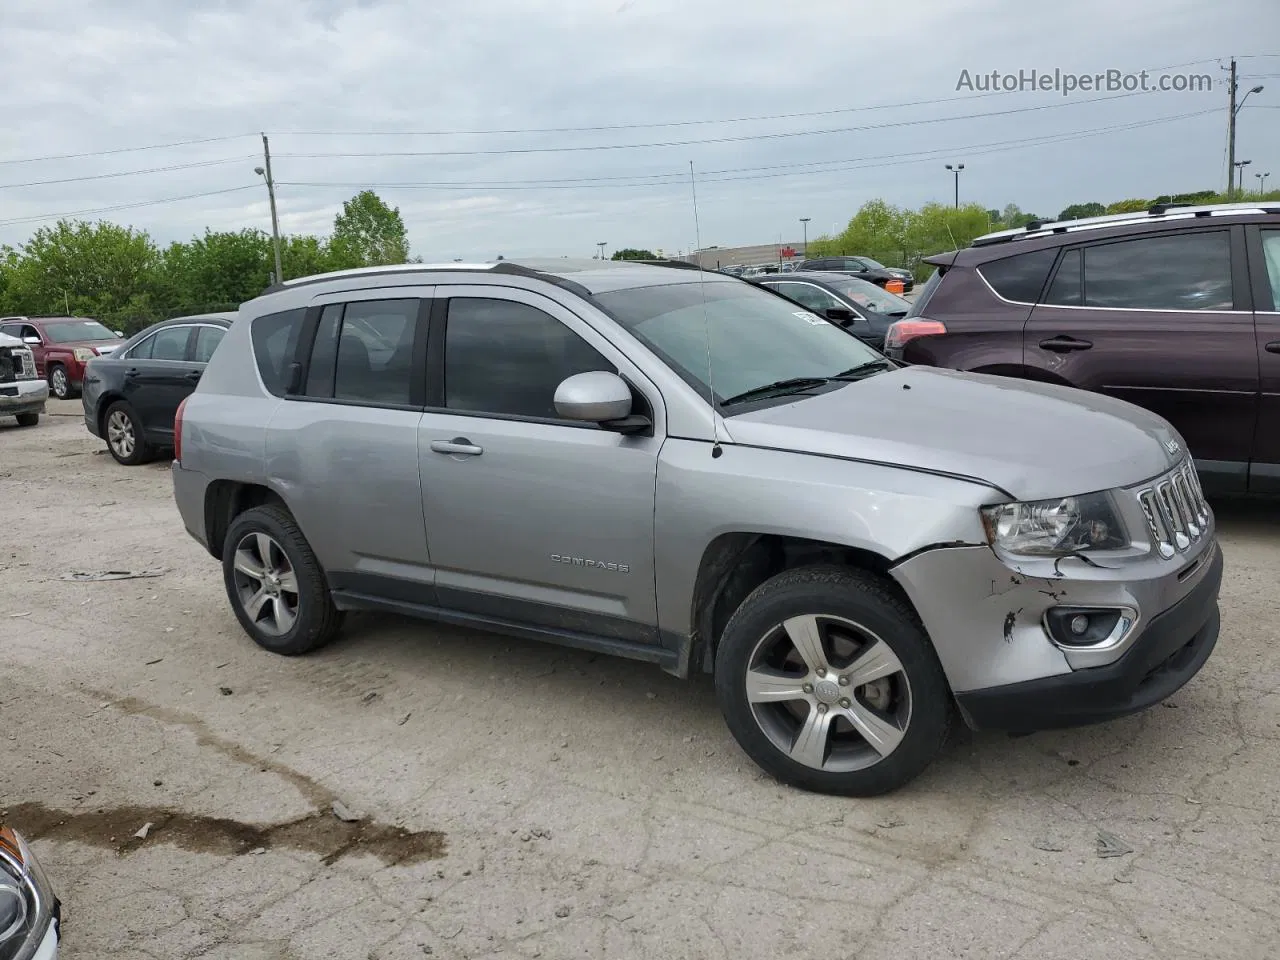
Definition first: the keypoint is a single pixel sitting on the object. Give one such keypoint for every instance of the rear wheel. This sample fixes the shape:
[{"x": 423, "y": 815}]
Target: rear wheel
[
  {"x": 124, "y": 435},
  {"x": 27, "y": 419},
  {"x": 275, "y": 584},
  {"x": 827, "y": 680}
]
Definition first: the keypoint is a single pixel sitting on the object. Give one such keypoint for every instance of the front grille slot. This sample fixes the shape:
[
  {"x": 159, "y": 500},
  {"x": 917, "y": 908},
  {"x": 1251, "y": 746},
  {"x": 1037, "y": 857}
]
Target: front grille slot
[{"x": 1176, "y": 511}]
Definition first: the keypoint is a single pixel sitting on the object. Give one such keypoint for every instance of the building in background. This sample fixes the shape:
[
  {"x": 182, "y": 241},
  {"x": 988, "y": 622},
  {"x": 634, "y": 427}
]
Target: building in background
[{"x": 713, "y": 258}]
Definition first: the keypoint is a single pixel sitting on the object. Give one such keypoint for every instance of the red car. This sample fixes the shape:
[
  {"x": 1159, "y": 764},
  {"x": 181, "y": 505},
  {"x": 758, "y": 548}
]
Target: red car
[{"x": 62, "y": 346}]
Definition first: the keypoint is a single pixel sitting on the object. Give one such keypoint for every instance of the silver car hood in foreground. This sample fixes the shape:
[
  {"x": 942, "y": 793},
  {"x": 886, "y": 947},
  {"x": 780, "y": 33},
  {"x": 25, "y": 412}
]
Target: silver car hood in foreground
[{"x": 1033, "y": 440}]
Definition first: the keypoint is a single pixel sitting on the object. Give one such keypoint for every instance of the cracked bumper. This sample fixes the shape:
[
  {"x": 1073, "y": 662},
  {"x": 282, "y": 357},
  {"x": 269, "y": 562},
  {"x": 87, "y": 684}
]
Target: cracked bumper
[{"x": 1166, "y": 654}]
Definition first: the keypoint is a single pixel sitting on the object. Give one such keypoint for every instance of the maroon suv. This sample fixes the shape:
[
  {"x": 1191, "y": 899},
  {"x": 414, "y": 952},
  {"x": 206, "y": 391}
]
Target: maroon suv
[{"x": 1176, "y": 310}]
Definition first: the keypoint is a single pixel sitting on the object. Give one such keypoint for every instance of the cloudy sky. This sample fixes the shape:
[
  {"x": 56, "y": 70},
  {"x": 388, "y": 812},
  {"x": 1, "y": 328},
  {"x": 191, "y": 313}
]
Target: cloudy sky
[{"x": 540, "y": 128}]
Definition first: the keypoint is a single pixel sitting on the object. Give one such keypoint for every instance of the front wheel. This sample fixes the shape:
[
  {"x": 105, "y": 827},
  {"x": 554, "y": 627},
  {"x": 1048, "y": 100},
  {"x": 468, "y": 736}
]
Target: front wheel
[
  {"x": 60, "y": 383},
  {"x": 276, "y": 586},
  {"x": 827, "y": 680}
]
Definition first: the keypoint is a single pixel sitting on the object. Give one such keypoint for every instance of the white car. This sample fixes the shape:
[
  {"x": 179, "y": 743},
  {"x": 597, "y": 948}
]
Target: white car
[
  {"x": 22, "y": 393},
  {"x": 30, "y": 914}
]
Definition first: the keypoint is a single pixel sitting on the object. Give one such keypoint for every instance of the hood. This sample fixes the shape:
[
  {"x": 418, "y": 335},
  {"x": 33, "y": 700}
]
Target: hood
[
  {"x": 8, "y": 341},
  {"x": 1032, "y": 440}
]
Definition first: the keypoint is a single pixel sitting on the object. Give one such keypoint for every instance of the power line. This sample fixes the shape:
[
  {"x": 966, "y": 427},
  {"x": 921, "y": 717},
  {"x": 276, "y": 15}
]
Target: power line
[
  {"x": 108, "y": 153},
  {"x": 686, "y": 143},
  {"x": 710, "y": 176},
  {"x": 130, "y": 173},
  {"x": 125, "y": 206}
]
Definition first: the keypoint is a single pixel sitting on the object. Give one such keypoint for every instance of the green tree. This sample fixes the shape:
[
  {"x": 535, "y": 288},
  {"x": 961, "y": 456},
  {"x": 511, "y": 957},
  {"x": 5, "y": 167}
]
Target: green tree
[
  {"x": 368, "y": 233},
  {"x": 1012, "y": 217},
  {"x": 1128, "y": 206},
  {"x": 94, "y": 269},
  {"x": 1078, "y": 211},
  {"x": 216, "y": 270},
  {"x": 632, "y": 253}
]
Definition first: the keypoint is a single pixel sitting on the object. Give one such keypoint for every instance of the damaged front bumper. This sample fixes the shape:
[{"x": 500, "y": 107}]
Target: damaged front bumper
[
  {"x": 990, "y": 619},
  {"x": 22, "y": 396}
]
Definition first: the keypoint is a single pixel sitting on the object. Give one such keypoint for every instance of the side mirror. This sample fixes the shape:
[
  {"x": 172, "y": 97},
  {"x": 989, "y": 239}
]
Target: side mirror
[
  {"x": 33, "y": 340},
  {"x": 841, "y": 315},
  {"x": 593, "y": 397},
  {"x": 119, "y": 333}
]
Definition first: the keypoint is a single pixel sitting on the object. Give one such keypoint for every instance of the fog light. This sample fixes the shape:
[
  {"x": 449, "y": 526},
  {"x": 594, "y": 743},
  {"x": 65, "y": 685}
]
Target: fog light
[{"x": 1087, "y": 627}]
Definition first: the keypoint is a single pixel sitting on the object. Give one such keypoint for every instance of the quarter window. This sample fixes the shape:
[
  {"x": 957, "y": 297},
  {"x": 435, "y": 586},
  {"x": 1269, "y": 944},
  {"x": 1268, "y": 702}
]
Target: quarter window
[
  {"x": 507, "y": 358},
  {"x": 1022, "y": 277},
  {"x": 1271, "y": 255},
  {"x": 207, "y": 340},
  {"x": 275, "y": 341},
  {"x": 1068, "y": 283},
  {"x": 1188, "y": 271}
]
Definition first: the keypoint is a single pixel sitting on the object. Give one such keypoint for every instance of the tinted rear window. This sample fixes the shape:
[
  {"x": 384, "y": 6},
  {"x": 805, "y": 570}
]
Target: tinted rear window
[
  {"x": 275, "y": 342},
  {"x": 926, "y": 292},
  {"x": 1020, "y": 278}
]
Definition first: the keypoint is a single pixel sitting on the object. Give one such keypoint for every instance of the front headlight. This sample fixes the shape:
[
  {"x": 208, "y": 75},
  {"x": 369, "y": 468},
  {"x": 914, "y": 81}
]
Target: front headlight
[
  {"x": 84, "y": 354},
  {"x": 1055, "y": 528},
  {"x": 27, "y": 903}
]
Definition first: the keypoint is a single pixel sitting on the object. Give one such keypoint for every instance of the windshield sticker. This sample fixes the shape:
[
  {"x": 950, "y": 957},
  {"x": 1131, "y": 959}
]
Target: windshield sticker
[{"x": 811, "y": 318}]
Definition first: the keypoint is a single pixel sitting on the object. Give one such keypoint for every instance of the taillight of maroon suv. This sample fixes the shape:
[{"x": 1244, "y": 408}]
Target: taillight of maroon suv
[{"x": 902, "y": 331}]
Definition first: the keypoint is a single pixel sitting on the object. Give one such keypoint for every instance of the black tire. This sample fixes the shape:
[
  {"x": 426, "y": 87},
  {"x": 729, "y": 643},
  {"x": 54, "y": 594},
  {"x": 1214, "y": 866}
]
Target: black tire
[
  {"x": 316, "y": 620},
  {"x": 61, "y": 386},
  {"x": 843, "y": 595},
  {"x": 129, "y": 447},
  {"x": 27, "y": 419}
]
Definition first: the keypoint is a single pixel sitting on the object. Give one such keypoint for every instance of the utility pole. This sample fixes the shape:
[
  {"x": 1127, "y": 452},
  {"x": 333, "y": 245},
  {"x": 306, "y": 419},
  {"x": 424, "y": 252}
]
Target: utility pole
[
  {"x": 1231, "y": 130},
  {"x": 271, "y": 194}
]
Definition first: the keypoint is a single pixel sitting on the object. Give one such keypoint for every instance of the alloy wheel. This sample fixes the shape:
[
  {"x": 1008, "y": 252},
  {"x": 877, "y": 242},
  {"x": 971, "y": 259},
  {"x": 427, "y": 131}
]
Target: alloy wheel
[
  {"x": 61, "y": 385},
  {"x": 120, "y": 434},
  {"x": 829, "y": 693},
  {"x": 266, "y": 584}
]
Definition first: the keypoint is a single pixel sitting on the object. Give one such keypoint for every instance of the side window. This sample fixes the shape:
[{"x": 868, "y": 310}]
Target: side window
[
  {"x": 815, "y": 298},
  {"x": 1271, "y": 255},
  {"x": 275, "y": 341},
  {"x": 375, "y": 351},
  {"x": 170, "y": 343},
  {"x": 324, "y": 353},
  {"x": 507, "y": 358},
  {"x": 1066, "y": 289},
  {"x": 207, "y": 340},
  {"x": 1020, "y": 278},
  {"x": 1188, "y": 271},
  {"x": 29, "y": 331}
]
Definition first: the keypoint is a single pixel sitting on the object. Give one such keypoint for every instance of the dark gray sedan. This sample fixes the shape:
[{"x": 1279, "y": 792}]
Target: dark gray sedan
[{"x": 861, "y": 307}]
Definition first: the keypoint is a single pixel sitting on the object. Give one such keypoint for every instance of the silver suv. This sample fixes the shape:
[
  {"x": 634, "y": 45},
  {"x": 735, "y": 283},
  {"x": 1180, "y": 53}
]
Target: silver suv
[{"x": 683, "y": 468}]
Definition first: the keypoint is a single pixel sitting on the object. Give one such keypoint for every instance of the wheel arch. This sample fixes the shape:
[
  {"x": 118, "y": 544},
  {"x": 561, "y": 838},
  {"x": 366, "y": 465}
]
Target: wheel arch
[
  {"x": 734, "y": 564},
  {"x": 224, "y": 500}
]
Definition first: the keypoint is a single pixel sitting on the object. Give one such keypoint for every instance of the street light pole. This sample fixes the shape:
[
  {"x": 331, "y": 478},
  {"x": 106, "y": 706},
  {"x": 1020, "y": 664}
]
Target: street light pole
[
  {"x": 1262, "y": 183},
  {"x": 600, "y": 244},
  {"x": 956, "y": 172},
  {"x": 1234, "y": 108},
  {"x": 271, "y": 194},
  {"x": 805, "y": 222},
  {"x": 1239, "y": 166}
]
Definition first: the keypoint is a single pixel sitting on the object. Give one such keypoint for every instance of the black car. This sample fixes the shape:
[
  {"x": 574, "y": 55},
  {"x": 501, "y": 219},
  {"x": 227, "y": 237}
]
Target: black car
[
  {"x": 130, "y": 397},
  {"x": 864, "y": 268},
  {"x": 859, "y": 306}
]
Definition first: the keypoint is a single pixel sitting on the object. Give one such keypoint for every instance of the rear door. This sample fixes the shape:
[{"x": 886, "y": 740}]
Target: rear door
[
  {"x": 1162, "y": 321},
  {"x": 158, "y": 374},
  {"x": 1264, "y": 273}
]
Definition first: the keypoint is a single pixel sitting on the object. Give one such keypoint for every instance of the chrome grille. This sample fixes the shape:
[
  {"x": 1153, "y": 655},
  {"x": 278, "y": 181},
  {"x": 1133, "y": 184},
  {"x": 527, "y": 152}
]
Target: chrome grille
[{"x": 1176, "y": 511}]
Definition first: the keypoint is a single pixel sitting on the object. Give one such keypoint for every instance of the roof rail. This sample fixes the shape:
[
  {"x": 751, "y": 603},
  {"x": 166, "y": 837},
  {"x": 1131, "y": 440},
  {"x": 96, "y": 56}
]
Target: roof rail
[
  {"x": 677, "y": 264},
  {"x": 502, "y": 266},
  {"x": 1159, "y": 209}
]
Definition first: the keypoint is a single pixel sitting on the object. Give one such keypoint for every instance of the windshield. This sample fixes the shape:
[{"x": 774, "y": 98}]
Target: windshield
[
  {"x": 868, "y": 295},
  {"x": 756, "y": 338},
  {"x": 74, "y": 331}
]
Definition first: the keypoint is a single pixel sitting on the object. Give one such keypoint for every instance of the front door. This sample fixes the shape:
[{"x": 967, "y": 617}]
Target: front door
[
  {"x": 532, "y": 518},
  {"x": 158, "y": 373},
  {"x": 1154, "y": 321},
  {"x": 1264, "y": 270}
]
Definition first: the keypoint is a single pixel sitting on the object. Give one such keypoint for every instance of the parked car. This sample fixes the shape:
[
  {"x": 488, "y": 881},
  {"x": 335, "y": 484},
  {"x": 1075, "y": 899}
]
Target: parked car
[
  {"x": 864, "y": 268},
  {"x": 22, "y": 393},
  {"x": 680, "y": 467},
  {"x": 1176, "y": 309},
  {"x": 61, "y": 347},
  {"x": 131, "y": 396},
  {"x": 30, "y": 913},
  {"x": 859, "y": 306}
]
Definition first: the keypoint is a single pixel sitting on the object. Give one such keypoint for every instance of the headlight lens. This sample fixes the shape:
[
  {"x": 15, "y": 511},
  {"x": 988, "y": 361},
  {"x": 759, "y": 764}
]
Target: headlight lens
[
  {"x": 1055, "y": 528},
  {"x": 26, "y": 901}
]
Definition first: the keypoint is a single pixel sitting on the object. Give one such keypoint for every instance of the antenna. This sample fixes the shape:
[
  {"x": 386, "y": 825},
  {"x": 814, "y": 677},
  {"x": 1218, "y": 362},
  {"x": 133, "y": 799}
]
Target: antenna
[{"x": 716, "y": 450}]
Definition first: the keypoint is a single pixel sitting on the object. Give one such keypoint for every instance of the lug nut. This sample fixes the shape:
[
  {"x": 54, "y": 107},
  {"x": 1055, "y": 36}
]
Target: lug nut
[
  {"x": 822, "y": 671},
  {"x": 846, "y": 702},
  {"x": 844, "y": 681},
  {"x": 822, "y": 708},
  {"x": 807, "y": 688}
]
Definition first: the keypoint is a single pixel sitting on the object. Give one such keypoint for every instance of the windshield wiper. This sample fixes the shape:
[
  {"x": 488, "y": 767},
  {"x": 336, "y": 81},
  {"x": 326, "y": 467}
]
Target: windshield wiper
[
  {"x": 779, "y": 388},
  {"x": 862, "y": 369}
]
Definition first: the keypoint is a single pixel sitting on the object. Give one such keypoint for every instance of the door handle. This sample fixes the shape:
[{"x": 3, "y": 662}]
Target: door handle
[
  {"x": 130, "y": 374},
  {"x": 194, "y": 376},
  {"x": 1272, "y": 347},
  {"x": 1064, "y": 344},
  {"x": 458, "y": 446}
]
